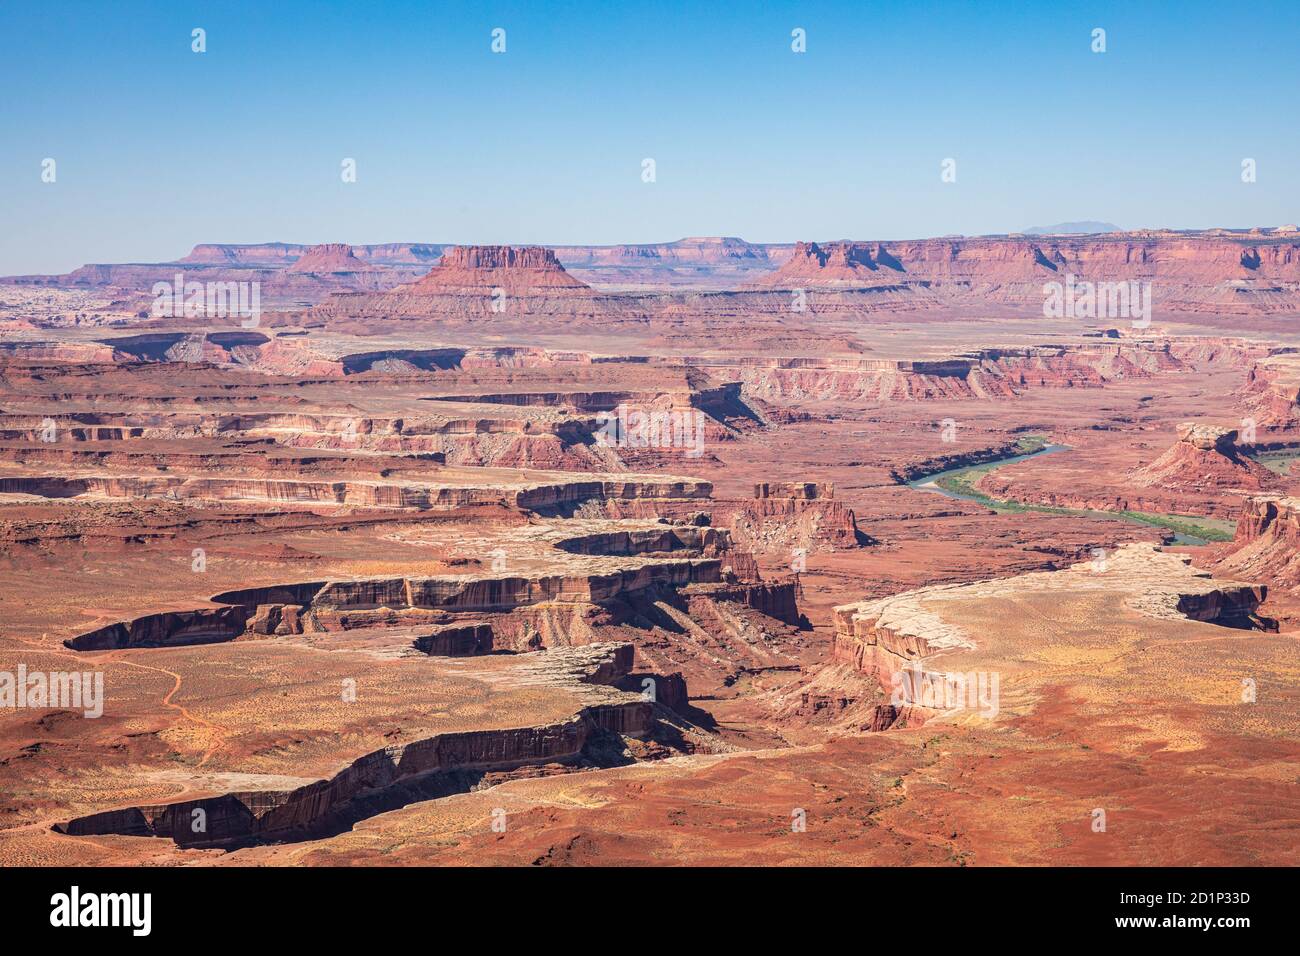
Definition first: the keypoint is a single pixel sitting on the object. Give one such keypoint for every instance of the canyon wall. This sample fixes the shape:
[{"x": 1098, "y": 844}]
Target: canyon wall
[
  {"x": 1187, "y": 271},
  {"x": 1215, "y": 270},
  {"x": 436, "y": 765},
  {"x": 1267, "y": 542}
]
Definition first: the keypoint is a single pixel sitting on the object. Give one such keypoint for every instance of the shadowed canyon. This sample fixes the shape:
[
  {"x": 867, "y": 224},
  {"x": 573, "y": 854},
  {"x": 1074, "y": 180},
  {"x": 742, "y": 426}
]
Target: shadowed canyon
[{"x": 699, "y": 552}]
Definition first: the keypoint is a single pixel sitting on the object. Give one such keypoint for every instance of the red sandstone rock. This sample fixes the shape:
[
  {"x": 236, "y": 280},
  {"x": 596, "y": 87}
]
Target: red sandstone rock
[
  {"x": 1205, "y": 456},
  {"x": 328, "y": 259},
  {"x": 1267, "y": 542},
  {"x": 802, "y": 490},
  {"x": 483, "y": 268},
  {"x": 834, "y": 265},
  {"x": 181, "y": 438},
  {"x": 998, "y": 260},
  {"x": 1213, "y": 271}
]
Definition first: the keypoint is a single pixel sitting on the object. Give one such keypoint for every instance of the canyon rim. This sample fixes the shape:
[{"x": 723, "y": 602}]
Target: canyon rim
[{"x": 526, "y": 457}]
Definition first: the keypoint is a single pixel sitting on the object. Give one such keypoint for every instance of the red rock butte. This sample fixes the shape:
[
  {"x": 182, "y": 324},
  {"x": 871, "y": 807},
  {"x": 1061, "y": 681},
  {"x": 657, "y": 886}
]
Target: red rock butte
[
  {"x": 1206, "y": 455},
  {"x": 482, "y": 268},
  {"x": 334, "y": 257},
  {"x": 834, "y": 265}
]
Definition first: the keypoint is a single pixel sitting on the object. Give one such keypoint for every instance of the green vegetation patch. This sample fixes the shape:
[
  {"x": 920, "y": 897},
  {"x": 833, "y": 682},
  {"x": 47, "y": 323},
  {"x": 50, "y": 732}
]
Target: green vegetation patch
[
  {"x": 1209, "y": 529},
  {"x": 1278, "y": 461},
  {"x": 1030, "y": 444},
  {"x": 962, "y": 483}
]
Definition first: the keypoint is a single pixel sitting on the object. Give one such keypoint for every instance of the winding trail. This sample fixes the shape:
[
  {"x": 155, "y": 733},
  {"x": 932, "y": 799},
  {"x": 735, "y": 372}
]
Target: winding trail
[
  {"x": 46, "y": 823},
  {"x": 217, "y": 731}
]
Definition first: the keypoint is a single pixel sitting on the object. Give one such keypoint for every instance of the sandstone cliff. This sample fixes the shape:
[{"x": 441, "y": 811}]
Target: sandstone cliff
[
  {"x": 484, "y": 268},
  {"x": 1205, "y": 456},
  {"x": 420, "y": 769},
  {"x": 1188, "y": 271},
  {"x": 1267, "y": 542},
  {"x": 328, "y": 259}
]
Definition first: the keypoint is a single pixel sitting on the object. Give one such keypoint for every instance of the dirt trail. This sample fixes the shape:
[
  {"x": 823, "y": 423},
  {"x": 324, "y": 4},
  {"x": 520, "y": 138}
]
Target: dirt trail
[
  {"x": 115, "y": 657},
  {"x": 217, "y": 730}
]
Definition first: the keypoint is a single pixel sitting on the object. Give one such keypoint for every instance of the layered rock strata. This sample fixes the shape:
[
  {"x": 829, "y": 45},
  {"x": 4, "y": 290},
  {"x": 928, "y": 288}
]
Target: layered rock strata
[
  {"x": 437, "y": 765},
  {"x": 1205, "y": 456},
  {"x": 912, "y": 633},
  {"x": 1267, "y": 542}
]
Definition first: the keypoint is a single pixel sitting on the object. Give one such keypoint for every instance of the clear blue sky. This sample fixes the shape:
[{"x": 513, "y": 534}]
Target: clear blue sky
[{"x": 159, "y": 148}]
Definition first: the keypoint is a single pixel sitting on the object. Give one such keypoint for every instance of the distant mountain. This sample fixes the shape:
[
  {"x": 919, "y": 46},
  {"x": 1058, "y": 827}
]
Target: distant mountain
[{"x": 1087, "y": 226}]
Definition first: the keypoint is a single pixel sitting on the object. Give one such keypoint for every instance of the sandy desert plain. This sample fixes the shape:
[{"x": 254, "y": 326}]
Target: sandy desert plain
[{"x": 705, "y": 552}]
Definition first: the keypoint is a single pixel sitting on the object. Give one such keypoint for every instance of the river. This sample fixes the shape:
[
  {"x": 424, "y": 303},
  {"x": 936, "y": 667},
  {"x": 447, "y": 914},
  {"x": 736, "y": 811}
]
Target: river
[{"x": 931, "y": 481}]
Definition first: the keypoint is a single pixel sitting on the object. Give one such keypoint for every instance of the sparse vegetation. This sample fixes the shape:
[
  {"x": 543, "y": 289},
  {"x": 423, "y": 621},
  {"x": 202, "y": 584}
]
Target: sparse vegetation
[
  {"x": 1278, "y": 461},
  {"x": 1208, "y": 529},
  {"x": 963, "y": 484}
]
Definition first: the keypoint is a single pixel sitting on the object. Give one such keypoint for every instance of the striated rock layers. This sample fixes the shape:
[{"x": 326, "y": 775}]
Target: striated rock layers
[
  {"x": 779, "y": 520},
  {"x": 1205, "y": 456},
  {"x": 913, "y": 630},
  {"x": 835, "y": 265},
  {"x": 1267, "y": 542},
  {"x": 434, "y": 766},
  {"x": 484, "y": 268},
  {"x": 328, "y": 259},
  {"x": 412, "y": 495},
  {"x": 986, "y": 373},
  {"x": 1184, "y": 272},
  {"x": 475, "y": 283},
  {"x": 1218, "y": 271},
  {"x": 337, "y": 605}
]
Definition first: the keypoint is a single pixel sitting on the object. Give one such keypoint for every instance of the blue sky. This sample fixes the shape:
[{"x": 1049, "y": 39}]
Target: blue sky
[{"x": 158, "y": 148}]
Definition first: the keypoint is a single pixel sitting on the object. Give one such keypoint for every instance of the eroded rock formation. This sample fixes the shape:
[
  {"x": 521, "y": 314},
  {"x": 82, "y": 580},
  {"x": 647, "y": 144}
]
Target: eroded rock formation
[
  {"x": 1205, "y": 455},
  {"x": 433, "y": 766},
  {"x": 1193, "y": 272},
  {"x": 480, "y": 269},
  {"x": 334, "y": 257},
  {"x": 1267, "y": 542},
  {"x": 917, "y": 633}
]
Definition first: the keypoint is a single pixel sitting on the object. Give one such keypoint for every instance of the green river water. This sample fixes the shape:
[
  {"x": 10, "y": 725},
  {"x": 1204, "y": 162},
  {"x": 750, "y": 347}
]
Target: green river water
[{"x": 960, "y": 483}]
